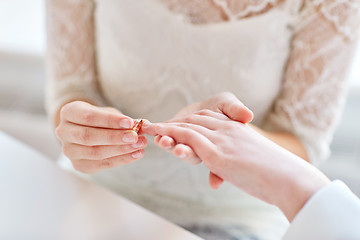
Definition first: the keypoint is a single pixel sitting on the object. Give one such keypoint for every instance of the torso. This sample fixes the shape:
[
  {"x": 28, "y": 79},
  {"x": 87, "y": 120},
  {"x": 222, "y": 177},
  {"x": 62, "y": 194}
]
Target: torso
[{"x": 152, "y": 61}]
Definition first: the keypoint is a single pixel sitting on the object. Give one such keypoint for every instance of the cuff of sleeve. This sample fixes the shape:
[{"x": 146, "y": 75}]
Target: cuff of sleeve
[{"x": 331, "y": 213}]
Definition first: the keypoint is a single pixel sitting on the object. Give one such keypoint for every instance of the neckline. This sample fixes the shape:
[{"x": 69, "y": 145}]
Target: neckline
[{"x": 174, "y": 17}]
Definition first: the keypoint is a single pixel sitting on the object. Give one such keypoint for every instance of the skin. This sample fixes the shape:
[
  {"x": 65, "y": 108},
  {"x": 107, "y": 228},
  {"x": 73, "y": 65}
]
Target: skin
[
  {"x": 78, "y": 124},
  {"x": 217, "y": 104},
  {"x": 225, "y": 105},
  {"x": 97, "y": 138},
  {"x": 230, "y": 150}
]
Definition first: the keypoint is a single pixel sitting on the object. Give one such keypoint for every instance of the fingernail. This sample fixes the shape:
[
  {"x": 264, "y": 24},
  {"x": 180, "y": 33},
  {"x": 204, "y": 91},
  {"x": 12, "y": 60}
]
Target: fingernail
[
  {"x": 129, "y": 137},
  {"x": 137, "y": 154},
  {"x": 139, "y": 144},
  {"x": 125, "y": 123}
]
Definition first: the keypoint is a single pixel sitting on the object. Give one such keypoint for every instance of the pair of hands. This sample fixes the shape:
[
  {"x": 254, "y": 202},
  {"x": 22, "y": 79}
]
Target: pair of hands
[
  {"x": 212, "y": 132},
  {"x": 96, "y": 138}
]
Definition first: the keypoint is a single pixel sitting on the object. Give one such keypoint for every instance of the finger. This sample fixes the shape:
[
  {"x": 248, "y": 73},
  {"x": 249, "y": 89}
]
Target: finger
[
  {"x": 194, "y": 136},
  {"x": 204, "y": 119},
  {"x": 157, "y": 139},
  {"x": 215, "y": 181},
  {"x": 90, "y": 136},
  {"x": 210, "y": 113},
  {"x": 166, "y": 143},
  {"x": 91, "y": 166},
  {"x": 75, "y": 151},
  {"x": 85, "y": 114},
  {"x": 147, "y": 128},
  {"x": 209, "y": 133},
  {"x": 201, "y": 120},
  {"x": 232, "y": 107},
  {"x": 186, "y": 154}
]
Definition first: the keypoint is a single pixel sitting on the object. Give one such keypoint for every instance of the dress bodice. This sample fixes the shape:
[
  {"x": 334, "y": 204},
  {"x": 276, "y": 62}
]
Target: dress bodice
[{"x": 151, "y": 62}]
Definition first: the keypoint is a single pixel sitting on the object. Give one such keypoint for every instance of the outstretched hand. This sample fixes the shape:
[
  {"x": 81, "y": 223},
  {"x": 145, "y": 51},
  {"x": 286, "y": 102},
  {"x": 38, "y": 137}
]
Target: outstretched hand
[
  {"x": 225, "y": 106},
  {"x": 240, "y": 155}
]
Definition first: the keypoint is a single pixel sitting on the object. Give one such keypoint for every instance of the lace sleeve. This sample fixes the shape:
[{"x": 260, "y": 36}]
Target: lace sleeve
[
  {"x": 70, "y": 56},
  {"x": 310, "y": 102}
]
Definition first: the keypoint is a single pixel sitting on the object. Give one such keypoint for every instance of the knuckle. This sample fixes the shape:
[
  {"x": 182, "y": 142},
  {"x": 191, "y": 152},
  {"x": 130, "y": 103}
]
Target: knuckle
[
  {"x": 187, "y": 118},
  {"x": 124, "y": 149},
  {"x": 88, "y": 117},
  {"x": 186, "y": 133},
  {"x": 112, "y": 121},
  {"x": 95, "y": 152},
  {"x": 204, "y": 112},
  {"x": 105, "y": 164},
  {"x": 84, "y": 135},
  {"x": 185, "y": 125},
  {"x": 114, "y": 137},
  {"x": 228, "y": 126}
]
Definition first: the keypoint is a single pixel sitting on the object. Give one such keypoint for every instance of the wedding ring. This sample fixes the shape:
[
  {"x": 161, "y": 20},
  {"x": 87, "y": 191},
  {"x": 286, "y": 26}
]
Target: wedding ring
[{"x": 138, "y": 124}]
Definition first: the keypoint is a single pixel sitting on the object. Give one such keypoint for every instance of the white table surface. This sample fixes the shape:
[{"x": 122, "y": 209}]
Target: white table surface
[{"x": 38, "y": 200}]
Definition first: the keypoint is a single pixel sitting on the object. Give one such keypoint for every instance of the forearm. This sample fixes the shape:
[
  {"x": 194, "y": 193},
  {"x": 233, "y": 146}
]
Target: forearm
[
  {"x": 274, "y": 174},
  {"x": 294, "y": 182},
  {"x": 285, "y": 140}
]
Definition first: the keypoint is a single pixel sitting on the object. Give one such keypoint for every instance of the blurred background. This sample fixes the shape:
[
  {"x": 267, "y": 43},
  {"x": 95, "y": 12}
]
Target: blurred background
[{"x": 22, "y": 79}]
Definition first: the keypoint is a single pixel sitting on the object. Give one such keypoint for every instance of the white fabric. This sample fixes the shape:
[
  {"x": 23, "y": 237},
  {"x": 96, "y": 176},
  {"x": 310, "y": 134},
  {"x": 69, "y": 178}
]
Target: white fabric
[
  {"x": 168, "y": 50},
  {"x": 333, "y": 213},
  {"x": 286, "y": 60}
]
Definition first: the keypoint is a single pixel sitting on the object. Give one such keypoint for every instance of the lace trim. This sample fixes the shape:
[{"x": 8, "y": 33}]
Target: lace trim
[
  {"x": 249, "y": 8},
  {"x": 314, "y": 85},
  {"x": 341, "y": 13},
  {"x": 210, "y": 11}
]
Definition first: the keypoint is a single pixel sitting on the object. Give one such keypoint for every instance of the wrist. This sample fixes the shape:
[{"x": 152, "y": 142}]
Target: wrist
[{"x": 300, "y": 185}]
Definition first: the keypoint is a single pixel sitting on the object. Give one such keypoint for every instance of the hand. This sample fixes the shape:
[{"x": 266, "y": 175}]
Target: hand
[
  {"x": 96, "y": 138},
  {"x": 225, "y": 103},
  {"x": 228, "y": 107},
  {"x": 238, "y": 154}
]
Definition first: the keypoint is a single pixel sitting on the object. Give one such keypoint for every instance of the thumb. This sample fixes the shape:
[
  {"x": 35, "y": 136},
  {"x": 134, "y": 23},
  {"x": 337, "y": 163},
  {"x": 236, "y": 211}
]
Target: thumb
[
  {"x": 235, "y": 109},
  {"x": 215, "y": 181}
]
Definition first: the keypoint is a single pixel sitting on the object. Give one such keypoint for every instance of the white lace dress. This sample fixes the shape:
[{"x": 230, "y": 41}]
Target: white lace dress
[{"x": 286, "y": 60}]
